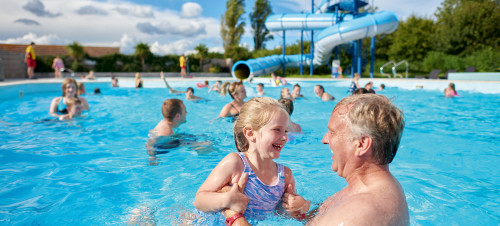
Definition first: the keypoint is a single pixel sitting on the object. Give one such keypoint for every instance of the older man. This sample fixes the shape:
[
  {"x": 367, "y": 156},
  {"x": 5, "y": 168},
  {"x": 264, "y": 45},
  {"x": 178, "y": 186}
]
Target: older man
[{"x": 363, "y": 135}]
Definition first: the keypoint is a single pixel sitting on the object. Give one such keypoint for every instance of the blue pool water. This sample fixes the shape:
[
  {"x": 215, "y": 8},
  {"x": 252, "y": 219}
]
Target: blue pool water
[{"x": 95, "y": 170}]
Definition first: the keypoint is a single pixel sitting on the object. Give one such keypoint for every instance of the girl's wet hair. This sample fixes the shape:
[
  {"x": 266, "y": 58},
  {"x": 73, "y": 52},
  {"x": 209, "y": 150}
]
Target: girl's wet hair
[{"x": 254, "y": 114}]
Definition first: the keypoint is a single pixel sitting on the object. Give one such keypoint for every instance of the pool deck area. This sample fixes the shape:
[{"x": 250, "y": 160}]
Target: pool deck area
[{"x": 10, "y": 88}]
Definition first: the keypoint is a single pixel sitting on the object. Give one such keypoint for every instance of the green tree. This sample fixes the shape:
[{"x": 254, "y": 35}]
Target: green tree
[
  {"x": 142, "y": 51},
  {"x": 467, "y": 25},
  {"x": 202, "y": 53},
  {"x": 76, "y": 52},
  {"x": 232, "y": 24},
  {"x": 413, "y": 39},
  {"x": 261, "y": 10}
]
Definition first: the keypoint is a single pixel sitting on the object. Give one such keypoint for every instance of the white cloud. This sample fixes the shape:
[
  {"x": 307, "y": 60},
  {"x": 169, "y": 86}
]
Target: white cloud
[
  {"x": 191, "y": 10},
  {"x": 178, "y": 47},
  {"x": 118, "y": 28},
  {"x": 51, "y": 39},
  {"x": 126, "y": 44},
  {"x": 137, "y": 11}
]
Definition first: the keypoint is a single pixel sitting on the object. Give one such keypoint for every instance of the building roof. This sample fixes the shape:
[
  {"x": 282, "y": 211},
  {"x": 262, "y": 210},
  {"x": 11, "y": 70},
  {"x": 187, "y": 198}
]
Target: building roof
[{"x": 53, "y": 50}]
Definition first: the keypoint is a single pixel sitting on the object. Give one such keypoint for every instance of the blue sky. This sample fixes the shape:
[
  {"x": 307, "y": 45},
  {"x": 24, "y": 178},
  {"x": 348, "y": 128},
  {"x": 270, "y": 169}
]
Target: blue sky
[{"x": 168, "y": 26}]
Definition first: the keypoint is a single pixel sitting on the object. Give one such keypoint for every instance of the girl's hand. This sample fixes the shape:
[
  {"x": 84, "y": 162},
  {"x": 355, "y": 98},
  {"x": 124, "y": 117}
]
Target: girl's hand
[{"x": 294, "y": 204}]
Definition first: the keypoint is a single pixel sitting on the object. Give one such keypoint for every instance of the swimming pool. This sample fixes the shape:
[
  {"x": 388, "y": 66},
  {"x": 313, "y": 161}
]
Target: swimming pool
[{"x": 95, "y": 170}]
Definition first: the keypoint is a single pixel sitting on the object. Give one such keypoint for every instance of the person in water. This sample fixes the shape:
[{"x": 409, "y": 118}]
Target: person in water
[
  {"x": 285, "y": 93},
  {"x": 216, "y": 87},
  {"x": 382, "y": 87},
  {"x": 369, "y": 87},
  {"x": 114, "y": 81},
  {"x": 288, "y": 104},
  {"x": 190, "y": 94},
  {"x": 362, "y": 148},
  {"x": 75, "y": 108},
  {"x": 138, "y": 80},
  {"x": 450, "y": 90},
  {"x": 260, "y": 89},
  {"x": 296, "y": 92},
  {"x": 58, "y": 105},
  {"x": 258, "y": 182},
  {"x": 80, "y": 89},
  {"x": 174, "y": 114},
  {"x": 238, "y": 93},
  {"x": 319, "y": 90}
]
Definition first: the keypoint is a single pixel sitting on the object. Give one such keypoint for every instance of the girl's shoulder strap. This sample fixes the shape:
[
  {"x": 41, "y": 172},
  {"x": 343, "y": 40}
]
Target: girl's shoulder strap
[{"x": 245, "y": 162}]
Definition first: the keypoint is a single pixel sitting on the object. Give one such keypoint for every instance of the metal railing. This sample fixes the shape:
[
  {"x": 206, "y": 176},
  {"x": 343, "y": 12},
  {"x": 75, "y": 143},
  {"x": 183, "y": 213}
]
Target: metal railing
[
  {"x": 396, "y": 65},
  {"x": 382, "y": 68}
]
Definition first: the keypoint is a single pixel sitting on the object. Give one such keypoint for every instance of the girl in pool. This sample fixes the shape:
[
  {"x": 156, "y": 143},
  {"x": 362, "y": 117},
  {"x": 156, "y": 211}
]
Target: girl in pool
[
  {"x": 260, "y": 134},
  {"x": 450, "y": 90},
  {"x": 237, "y": 91},
  {"x": 285, "y": 93},
  {"x": 58, "y": 106}
]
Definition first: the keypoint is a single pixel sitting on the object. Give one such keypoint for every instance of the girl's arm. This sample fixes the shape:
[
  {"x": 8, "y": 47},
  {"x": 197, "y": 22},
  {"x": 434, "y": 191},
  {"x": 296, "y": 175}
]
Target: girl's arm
[
  {"x": 228, "y": 171},
  {"x": 293, "y": 203}
]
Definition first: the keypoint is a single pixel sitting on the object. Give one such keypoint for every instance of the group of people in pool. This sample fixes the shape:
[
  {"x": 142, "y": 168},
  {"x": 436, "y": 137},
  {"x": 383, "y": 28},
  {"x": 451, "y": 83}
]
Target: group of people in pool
[{"x": 248, "y": 185}]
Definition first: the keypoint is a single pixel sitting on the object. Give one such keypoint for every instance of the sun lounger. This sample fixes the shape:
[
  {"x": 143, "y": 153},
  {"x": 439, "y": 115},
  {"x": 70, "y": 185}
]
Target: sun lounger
[
  {"x": 434, "y": 74},
  {"x": 470, "y": 69}
]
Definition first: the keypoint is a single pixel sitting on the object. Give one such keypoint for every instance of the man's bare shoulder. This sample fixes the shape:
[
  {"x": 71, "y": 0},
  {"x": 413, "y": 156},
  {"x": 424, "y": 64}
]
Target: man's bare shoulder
[{"x": 382, "y": 204}]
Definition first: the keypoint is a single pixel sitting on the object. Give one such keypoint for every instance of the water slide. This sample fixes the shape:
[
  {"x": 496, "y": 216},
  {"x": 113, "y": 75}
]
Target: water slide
[{"x": 333, "y": 33}]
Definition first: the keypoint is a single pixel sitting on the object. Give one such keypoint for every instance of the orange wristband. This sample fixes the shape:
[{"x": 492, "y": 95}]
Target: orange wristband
[{"x": 230, "y": 220}]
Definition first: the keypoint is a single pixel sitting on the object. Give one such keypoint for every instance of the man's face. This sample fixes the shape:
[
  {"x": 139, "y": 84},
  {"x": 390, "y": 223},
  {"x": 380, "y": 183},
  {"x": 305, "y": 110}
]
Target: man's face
[
  {"x": 339, "y": 139},
  {"x": 259, "y": 88}
]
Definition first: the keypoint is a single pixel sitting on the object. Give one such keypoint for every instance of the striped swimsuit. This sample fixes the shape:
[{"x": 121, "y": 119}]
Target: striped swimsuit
[{"x": 263, "y": 198}]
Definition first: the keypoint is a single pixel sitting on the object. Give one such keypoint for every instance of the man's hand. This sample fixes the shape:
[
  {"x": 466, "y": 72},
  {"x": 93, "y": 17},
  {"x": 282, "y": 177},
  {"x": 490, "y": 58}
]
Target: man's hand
[{"x": 238, "y": 201}]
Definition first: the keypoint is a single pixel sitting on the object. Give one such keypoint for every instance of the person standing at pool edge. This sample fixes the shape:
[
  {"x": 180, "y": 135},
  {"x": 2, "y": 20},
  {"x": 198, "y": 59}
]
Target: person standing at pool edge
[
  {"x": 30, "y": 59},
  {"x": 182, "y": 62},
  {"x": 57, "y": 65}
]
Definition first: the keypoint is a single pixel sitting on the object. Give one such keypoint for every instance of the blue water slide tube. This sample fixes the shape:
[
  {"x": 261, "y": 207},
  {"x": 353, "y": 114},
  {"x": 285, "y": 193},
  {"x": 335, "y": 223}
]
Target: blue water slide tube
[
  {"x": 384, "y": 22},
  {"x": 333, "y": 34}
]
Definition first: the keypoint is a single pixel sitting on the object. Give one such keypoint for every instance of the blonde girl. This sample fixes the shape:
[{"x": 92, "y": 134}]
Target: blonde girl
[{"x": 260, "y": 133}]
